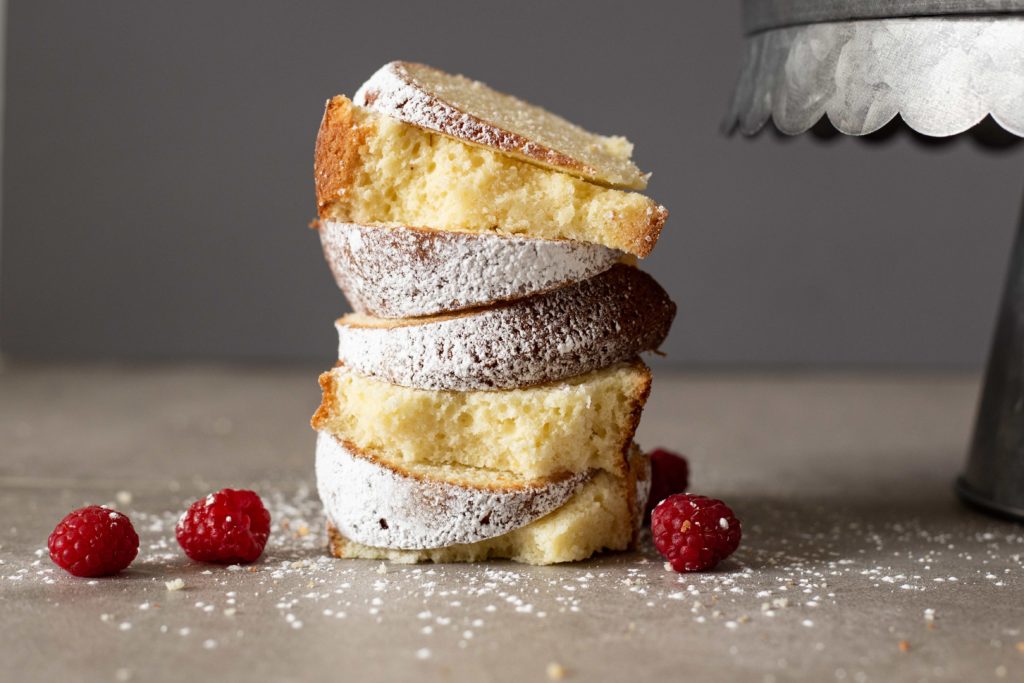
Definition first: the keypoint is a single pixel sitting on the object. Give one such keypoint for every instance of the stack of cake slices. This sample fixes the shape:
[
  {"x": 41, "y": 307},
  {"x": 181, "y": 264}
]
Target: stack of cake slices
[{"x": 488, "y": 385}]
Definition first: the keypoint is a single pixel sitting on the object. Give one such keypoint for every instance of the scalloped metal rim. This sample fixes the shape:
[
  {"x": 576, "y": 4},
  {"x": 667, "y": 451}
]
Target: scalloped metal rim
[{"x": 941, "y": 76}]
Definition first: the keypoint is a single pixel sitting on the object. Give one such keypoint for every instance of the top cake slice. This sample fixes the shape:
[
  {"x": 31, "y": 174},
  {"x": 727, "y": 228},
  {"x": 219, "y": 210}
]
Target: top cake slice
[
  {"x": 471, "y": 111},
  {"x": 377, "y": 170}
]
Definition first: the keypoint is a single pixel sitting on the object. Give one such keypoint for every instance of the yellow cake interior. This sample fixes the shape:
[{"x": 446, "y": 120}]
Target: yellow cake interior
[
  {"x": 460, "y": 475},
  {"x": 575, "y": 425},
  {"x": 405, "y": 175},
  {"x": 602, "y": 515},
  {"x": 605, "y": 159}
]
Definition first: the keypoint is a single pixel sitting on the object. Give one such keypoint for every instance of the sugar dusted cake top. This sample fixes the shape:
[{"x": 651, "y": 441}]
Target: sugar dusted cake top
[{"x": 471, "y": 111}]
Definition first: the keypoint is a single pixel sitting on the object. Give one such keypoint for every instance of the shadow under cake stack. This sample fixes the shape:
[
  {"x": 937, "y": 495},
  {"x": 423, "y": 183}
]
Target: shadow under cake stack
[{"x": 488, "y": 386}]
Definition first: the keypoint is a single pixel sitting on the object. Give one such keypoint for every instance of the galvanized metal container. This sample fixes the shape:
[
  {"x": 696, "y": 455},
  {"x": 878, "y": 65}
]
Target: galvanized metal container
[{"x": 942, "y": 67}]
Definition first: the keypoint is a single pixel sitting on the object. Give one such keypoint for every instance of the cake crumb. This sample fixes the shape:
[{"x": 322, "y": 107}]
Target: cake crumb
[
  {"x": 556, "y": 671},
  {"x": 1020, "y": 646},
  {"x": 123, "y": 498},
  {"x": 175, "y": 584},
  {"x": 904, "y": 646},
  {"x": 382, "y": 569}
]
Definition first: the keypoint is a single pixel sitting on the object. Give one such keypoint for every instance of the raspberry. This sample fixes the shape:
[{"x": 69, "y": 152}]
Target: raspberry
[
  {"x": 228, "y": 527},
  {"x": 694, "y": 533},
  {"x": 670, "y": 473},
  {"x": 93, "y": 541}
]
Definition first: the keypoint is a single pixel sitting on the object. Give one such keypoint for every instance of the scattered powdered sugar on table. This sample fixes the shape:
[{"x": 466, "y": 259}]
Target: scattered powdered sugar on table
[{"x": 789, "y": 570}]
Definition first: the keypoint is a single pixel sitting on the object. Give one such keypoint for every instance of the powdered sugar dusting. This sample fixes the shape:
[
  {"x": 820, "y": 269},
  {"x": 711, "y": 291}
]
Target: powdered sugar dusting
[
  {"x": 798, "y": 563},
  {"x": 396, "y": 272},
  {"x": 376, "y": 506},
  {"x": 607, "y": 319},
  {"x": 472, "y": 112}
]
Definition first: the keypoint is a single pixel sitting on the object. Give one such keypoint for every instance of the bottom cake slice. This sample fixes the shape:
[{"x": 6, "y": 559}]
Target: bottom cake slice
[
  {"x": 377, "y": 501},
  {"x": 605, "y": 513}
]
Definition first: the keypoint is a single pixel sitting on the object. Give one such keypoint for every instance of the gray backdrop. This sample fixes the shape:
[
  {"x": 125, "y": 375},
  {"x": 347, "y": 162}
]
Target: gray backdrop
[{"x": 157, "y": 181}]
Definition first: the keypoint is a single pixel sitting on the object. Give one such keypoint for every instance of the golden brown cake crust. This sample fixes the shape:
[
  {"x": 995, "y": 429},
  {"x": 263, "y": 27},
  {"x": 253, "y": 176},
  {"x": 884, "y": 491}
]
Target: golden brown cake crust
[
  {"x": 638, "y": 409},
  {"x": 336, "y": 156},
  {"x": 328, "y": 403},
  {"x": 644, "y": 234}
]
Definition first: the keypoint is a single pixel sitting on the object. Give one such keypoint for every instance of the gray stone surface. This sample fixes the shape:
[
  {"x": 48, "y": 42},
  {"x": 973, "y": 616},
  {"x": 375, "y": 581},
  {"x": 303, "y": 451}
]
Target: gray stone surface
[{"x": 843, "y": 482}]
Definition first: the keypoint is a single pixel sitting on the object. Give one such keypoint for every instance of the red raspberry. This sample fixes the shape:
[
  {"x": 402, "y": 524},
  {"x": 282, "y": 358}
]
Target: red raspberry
[
  {"x": 228, "y": 527},
  {"x": 93, "y": 541},
  {"x": 694, "y": 533},
  {"x": 670, "y": 473}
]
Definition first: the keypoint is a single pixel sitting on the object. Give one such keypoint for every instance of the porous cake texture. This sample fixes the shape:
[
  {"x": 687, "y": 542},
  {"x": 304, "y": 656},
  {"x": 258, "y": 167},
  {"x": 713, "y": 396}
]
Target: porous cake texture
[
  {"x": 575, "y": 425},
  {"x": 374, "y": 169}
]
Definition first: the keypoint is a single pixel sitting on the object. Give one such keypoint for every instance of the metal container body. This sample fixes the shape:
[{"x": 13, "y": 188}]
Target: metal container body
[
  {"x": 942, "y": 67},
  {"x": 994, "y": 478}
]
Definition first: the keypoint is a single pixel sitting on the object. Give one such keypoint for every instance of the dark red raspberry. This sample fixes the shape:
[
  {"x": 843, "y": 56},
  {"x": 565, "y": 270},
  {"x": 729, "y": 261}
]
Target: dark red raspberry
[
  {"x": 670, "y": 473},
  {"x": 93, "y": 541},
  {"x": 228, "y": 527},
  {"x": 694, "y": 533}
]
